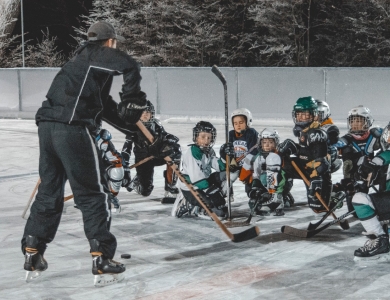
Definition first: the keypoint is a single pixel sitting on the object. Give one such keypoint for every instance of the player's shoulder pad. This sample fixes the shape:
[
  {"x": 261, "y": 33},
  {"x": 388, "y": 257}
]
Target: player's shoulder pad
[
  {"x": 105, "y": 135},
  {"x": 316, "y": 135},
  {"x": 376, "y": 131},
  {"x": 158, "y": 123},
  {"x": 330, "y": 128}
]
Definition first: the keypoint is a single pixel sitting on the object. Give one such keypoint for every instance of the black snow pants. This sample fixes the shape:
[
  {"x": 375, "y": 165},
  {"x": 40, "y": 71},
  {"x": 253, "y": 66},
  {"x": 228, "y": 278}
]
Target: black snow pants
[{"x": 69, "y": 152}]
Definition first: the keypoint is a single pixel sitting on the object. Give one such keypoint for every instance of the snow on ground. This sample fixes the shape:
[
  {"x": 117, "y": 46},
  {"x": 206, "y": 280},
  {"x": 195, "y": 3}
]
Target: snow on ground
[{"x": 180, "y": 258}]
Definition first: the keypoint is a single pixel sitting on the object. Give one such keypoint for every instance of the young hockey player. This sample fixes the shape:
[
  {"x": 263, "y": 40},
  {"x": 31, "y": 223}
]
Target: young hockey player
[
  {"x": 243, "y": 139},
  {"x": 197, "y": 164},
  {"x": 311, "y": 154},
  {"x": 270, "y": 185},
  {"x": 113, "y": 165},
  {"x": 143, "y": 180},
  {"x": 372, "y": 209},
  {"x": 361, "y": 140},
  {"x": 332, "y": 131}
]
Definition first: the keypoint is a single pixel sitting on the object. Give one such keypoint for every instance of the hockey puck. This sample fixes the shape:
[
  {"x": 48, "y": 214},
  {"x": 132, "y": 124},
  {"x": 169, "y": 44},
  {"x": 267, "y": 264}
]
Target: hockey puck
[{"x": 125, "y": 255}]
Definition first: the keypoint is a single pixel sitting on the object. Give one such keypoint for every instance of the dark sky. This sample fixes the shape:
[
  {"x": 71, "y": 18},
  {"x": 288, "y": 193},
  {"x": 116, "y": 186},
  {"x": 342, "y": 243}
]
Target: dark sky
[{"x": 59, "y": 16}]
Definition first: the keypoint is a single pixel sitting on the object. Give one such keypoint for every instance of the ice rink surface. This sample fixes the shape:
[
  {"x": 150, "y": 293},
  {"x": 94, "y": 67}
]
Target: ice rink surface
[{"x": 186, "y": 258}]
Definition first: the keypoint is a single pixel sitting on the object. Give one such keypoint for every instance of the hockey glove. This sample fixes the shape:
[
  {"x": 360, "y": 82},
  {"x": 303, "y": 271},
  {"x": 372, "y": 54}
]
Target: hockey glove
[
  {"x": 214, "y": 193},
  {"x": 126, "y": 178},
  {"x": 226, "y": 149},
  {"x": 315, "y": 187},
  {"x": 287, "y": 148},
  {"x": 131, "y": 107},
  {"x": 366, "y": 168}
]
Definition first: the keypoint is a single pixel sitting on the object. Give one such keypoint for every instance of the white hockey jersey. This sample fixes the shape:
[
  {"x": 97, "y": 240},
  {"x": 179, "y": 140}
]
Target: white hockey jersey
[{"x": 197, "y": 167}]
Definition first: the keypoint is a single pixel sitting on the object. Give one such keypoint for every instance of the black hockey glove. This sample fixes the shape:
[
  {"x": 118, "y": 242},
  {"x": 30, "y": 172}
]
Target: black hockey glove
[
  {"x": 131, "y": 107},
  {"x": 172, "y": 150},
  {"x": 287, "y": 148},
  {"x": 315, "y": 187},
  {"x": 126, "y": 178},
  {"x": 366, "y": 168},
  {"x": 217, "y": 178},
  {"x": 215, "y": 194},
  {"x": 346, "y": 185},
  {"x": 226, "y": 149}
]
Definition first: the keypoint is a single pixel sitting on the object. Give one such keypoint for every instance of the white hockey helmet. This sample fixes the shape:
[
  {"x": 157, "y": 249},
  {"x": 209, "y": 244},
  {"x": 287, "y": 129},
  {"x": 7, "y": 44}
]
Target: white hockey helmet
[
  {"x": 360, "y": 112},
  {"x": 323, "y": 110},
  {"x": 385, "y": 138},
  {"x": 268, "y": 133},
  {"x": 243, "y": 112}
]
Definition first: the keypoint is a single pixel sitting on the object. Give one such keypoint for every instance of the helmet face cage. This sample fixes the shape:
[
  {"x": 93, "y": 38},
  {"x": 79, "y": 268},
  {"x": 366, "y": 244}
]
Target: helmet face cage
[
  {"x": 313, "y": 114},
  {"x": 305, "y": 105},
  {"x": 323, "y": 111},
  {"x": 359, "y": 120},
  {"x": 150, "y": 108},
  {"x": 243, "y": 112},
  {"x": 203, "y": 126},
  {"x": 385, "y": 138},
  {"x": 268, "y": 133}
]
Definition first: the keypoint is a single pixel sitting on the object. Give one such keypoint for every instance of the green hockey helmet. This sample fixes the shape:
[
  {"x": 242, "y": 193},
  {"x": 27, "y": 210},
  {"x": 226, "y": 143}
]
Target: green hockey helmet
[{"x": 308, "y": 105}]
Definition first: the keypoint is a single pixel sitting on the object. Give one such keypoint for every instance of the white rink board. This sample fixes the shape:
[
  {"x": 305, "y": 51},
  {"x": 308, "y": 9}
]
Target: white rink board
[{"x": 267, "y": 92}]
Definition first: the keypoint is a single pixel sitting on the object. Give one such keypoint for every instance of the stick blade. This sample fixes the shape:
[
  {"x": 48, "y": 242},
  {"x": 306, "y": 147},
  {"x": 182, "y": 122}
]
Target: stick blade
[
  {"x": 246, "y": 234},
  {"x": 344, "y": 224},
  {"x": 294, "y": 231},
  {"x": 232, "y": 224}
]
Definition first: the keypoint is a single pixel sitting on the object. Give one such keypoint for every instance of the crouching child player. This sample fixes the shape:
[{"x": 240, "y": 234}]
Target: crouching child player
[
  {"x": 373, "y": 210},
  {"x": 197, "y": 164}
]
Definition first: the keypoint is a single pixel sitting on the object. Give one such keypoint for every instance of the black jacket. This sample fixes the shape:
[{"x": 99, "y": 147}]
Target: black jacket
[{"x": 80, "y": 92}]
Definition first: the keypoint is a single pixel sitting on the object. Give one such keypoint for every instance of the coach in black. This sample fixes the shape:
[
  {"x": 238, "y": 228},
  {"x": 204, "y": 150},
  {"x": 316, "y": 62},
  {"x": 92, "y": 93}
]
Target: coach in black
[{"x": 68, "y": 121}]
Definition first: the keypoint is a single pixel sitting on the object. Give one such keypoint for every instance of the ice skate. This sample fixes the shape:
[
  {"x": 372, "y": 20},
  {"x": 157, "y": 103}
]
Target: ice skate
[
  {"x": 171, "y": 190},
  {"x": 336, "y": 199},
  {"x": 133, "y": 184},
  {"x": 115, "y": 207},
  {"x": 182, "y": 208},
  {"x": 107, "y": 271},
  {"x": 288, "y": 200},
  {"x": 279, "y": 212},
  {"x": 34, "y": 263},
  {"x": 377, "y": 247}
]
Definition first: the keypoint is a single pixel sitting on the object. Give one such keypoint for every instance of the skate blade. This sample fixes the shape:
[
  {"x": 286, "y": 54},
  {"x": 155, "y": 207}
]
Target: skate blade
[
  {"x": 31, "y": 275},
  {"x": 107, "y": 279},
  {"x": 116, "y": 210},
  {"x": 383, "y": 257}
]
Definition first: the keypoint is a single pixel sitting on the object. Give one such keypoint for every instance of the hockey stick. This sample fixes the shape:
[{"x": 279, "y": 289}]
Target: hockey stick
[
  {"x": 222, "y": 78},
  {"x": 344, "y": 224},
  {"x": 66, "y": 198},
  {"x": 247, "y": 222},
  {"x": 310, "y": 233},
  {"x": 31, "y": 197},
  {"x": 328, "y": 213},
  {"x": 236, "y": 237}
]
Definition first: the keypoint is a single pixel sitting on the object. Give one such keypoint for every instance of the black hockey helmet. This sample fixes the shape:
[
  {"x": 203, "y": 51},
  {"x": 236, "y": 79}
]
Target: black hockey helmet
[
  {"x": 204, "y": 126},
  {"x": 150, "y": 108}
]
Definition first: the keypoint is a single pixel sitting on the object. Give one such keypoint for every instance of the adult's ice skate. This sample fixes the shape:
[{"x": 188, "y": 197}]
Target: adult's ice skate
[
  {"x": 107, "y": 271},
  {"x": 34, "y": 263}
]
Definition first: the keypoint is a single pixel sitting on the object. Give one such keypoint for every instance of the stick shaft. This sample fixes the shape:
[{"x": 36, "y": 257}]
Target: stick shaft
[{"x": 31, "y": 197}]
